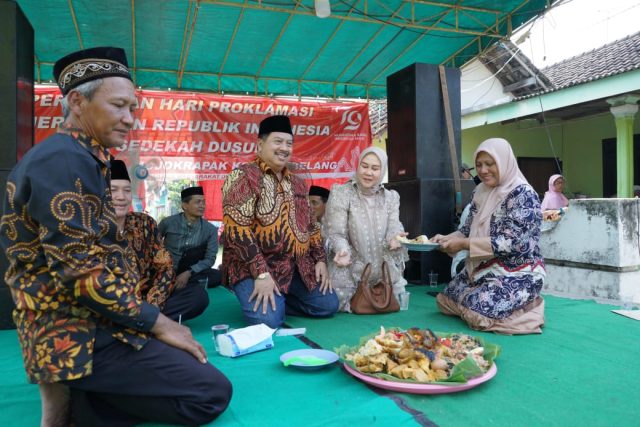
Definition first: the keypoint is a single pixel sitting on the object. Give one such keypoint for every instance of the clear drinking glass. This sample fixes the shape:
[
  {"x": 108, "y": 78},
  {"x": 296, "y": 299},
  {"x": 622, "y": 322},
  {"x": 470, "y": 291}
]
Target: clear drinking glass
[
  {"x": 403, "y": 300},
  {"x": 218, "y": 330},
  {"x": 433, "y": 279}
]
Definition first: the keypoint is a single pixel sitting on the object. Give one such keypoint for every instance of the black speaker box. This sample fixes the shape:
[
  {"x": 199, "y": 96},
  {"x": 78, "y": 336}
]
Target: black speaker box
[
  {"x": 6, "y": 301},
  {"x": 16, "y": 104},
  {"x": 16, "y": 84},
  {"x": 417, "y": 143}
]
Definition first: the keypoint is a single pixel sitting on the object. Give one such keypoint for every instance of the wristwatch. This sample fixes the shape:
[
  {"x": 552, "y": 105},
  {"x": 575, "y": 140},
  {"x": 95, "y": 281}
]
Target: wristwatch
[{"x": 262, "y": 276}]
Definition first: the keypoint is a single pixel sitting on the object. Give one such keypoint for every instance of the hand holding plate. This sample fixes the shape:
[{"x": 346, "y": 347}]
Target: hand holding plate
[
  {"x": 454, "y": 244},
  {"x": 394, "y": 242}
]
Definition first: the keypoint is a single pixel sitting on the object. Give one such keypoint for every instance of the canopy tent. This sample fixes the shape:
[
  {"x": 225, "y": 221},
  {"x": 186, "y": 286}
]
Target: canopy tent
[{"x": 274, "y": 47}]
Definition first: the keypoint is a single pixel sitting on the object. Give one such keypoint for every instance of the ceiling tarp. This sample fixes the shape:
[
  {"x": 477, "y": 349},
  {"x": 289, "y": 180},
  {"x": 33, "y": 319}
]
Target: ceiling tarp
[{"x": 274, "y": 47}]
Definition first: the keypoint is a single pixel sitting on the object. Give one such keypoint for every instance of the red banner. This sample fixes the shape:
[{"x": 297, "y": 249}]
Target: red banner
[{"x": 202, "y": 137}]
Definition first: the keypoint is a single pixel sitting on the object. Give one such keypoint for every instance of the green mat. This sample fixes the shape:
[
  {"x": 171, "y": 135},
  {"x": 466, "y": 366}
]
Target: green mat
[
  {"x": 265, "y": 392},
  {"x": 584, "y": 370}
]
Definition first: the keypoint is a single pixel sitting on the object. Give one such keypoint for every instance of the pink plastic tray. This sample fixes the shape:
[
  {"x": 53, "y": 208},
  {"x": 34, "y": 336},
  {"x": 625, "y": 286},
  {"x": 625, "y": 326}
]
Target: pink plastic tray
[{"x": 416, "y": 388}]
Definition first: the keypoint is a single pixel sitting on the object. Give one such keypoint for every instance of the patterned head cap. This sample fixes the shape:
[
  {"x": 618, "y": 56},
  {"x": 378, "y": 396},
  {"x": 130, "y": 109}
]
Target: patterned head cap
[{"x": 90, "y": 64}]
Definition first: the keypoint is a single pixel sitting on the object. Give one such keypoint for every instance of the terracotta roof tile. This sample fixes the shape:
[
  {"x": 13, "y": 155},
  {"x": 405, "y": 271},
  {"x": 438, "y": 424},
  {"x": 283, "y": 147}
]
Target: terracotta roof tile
[{"x": 614, "y": 58}]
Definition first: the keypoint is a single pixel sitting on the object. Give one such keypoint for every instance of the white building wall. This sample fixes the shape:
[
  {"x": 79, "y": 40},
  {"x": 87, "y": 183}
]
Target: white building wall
[
  {"x": 594, "y": 250},
  {"x": 479, "y": 89}
]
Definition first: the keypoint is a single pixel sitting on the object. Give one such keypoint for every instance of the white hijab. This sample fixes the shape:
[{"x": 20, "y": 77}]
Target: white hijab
[
  {"x": 488, "y": 199},
  {"x": 382, "y": 156}
]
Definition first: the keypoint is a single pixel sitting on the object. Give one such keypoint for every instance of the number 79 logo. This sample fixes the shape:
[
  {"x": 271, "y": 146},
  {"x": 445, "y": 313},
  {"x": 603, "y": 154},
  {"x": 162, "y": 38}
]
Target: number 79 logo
[{"x": 353, "y": 118}]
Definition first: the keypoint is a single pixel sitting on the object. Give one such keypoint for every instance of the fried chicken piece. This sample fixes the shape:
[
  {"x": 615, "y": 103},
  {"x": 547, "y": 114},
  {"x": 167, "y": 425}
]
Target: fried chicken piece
[{"x": 421, "y": 376}]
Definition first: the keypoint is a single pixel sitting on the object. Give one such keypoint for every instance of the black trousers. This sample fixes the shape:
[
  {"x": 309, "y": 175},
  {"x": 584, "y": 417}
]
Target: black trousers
[
  {"x": 214, "y": 276},
  {"x": 189, "y": 301},
  {"x": 158, "y": 383}
]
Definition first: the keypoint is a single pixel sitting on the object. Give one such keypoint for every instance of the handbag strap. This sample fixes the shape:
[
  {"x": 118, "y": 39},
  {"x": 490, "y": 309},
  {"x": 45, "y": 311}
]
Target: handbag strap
[
  {"x": 364, "y": 278},
  {"x": 386, "y": 282},
  {"x": 386, "y": 276}
]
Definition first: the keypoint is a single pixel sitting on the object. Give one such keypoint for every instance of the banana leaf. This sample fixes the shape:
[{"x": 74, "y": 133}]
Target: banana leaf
[{"x": 461, "y": 373}]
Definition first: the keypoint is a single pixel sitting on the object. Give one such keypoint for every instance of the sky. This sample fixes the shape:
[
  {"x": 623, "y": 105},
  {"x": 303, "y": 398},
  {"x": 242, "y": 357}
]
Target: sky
[{"x": 577, "y": 26}]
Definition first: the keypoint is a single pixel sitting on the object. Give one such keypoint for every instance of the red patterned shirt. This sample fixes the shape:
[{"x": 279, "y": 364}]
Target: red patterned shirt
[
  {"x": 268, "y": 227},
  {"x": 155, "y": 265}
]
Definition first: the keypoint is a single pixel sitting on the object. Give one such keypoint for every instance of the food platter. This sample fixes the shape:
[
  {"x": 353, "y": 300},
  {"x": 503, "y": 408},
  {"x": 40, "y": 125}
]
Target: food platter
[
  {"x": 420, "y": 361},
  {"x": 421, "y": 247},
  {"x": 318, "y": 358},
  {"x": 422, "y": 388}
]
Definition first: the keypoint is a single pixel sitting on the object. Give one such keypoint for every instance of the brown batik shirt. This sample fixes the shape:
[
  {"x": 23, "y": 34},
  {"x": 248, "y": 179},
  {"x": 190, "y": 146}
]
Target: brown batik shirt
[
  {"x": 69, "y": 272},
  {"x": 268, "y": 227},
  {"x": 155, "y": 266}
]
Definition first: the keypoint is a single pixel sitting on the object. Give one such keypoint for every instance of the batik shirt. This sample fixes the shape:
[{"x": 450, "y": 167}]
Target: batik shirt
[
  {"x": 155, "y": 267},
  {"x": 514, "y": 276},
  {"x": 268, "y": 227},
  {"x": 68, "y": 270}
]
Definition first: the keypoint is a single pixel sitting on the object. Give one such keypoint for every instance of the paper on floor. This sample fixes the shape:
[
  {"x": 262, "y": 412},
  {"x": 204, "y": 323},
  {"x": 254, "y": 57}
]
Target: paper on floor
[
  {"x": 245, "y": 340},
  {"x": 632, "y": 314}
]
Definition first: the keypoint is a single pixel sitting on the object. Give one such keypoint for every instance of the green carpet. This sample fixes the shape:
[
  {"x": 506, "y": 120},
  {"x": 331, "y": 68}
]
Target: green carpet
[
  {"x": 584, "y": 370},
  {"x": 265, "y": 392}
]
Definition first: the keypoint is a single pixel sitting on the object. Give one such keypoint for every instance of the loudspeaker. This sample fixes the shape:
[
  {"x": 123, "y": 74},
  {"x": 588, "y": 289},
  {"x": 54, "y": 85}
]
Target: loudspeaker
[
  {"x": 17, "y": 105},
  {"x": 417, "y": 143},
  {"x": 427, "y": 206},
  {"x": 6, "y": 301},
  {"x": 16, "y": 84}
]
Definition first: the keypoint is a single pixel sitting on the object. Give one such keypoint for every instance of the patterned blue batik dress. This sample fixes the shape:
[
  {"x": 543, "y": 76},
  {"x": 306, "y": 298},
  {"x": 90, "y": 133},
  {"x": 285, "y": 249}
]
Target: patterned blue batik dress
[{"x": 514, "y": 277}]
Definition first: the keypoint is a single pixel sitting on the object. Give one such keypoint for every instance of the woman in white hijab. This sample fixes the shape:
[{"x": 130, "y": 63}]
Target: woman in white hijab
[
  {"x": 499, "y": 289},
  {"x": 361, "y": 223}
]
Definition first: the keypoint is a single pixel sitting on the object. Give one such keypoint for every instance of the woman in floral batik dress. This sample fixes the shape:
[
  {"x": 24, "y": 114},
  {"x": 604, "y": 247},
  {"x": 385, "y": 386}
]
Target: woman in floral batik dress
[{"x": 499, "y": 288}]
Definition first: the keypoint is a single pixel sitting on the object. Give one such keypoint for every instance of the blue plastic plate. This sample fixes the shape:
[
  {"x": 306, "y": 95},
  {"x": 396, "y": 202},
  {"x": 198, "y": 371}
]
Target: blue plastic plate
[
  {"x": 421, "y": 247},
  {"x": 327, "y": 355}
]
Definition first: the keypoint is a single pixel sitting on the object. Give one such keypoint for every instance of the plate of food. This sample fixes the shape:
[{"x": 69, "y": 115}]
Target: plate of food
[
  {"x": 420, "y": 243},
  {"x": 417, "y": 388},
  {"x": 309, "y": 359},
  {"x": 420, "y": 361}
]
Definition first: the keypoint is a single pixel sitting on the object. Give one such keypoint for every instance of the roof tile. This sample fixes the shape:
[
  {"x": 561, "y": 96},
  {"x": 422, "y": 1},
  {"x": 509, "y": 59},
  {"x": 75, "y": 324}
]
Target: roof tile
[{"x": 614, "y": 58}]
